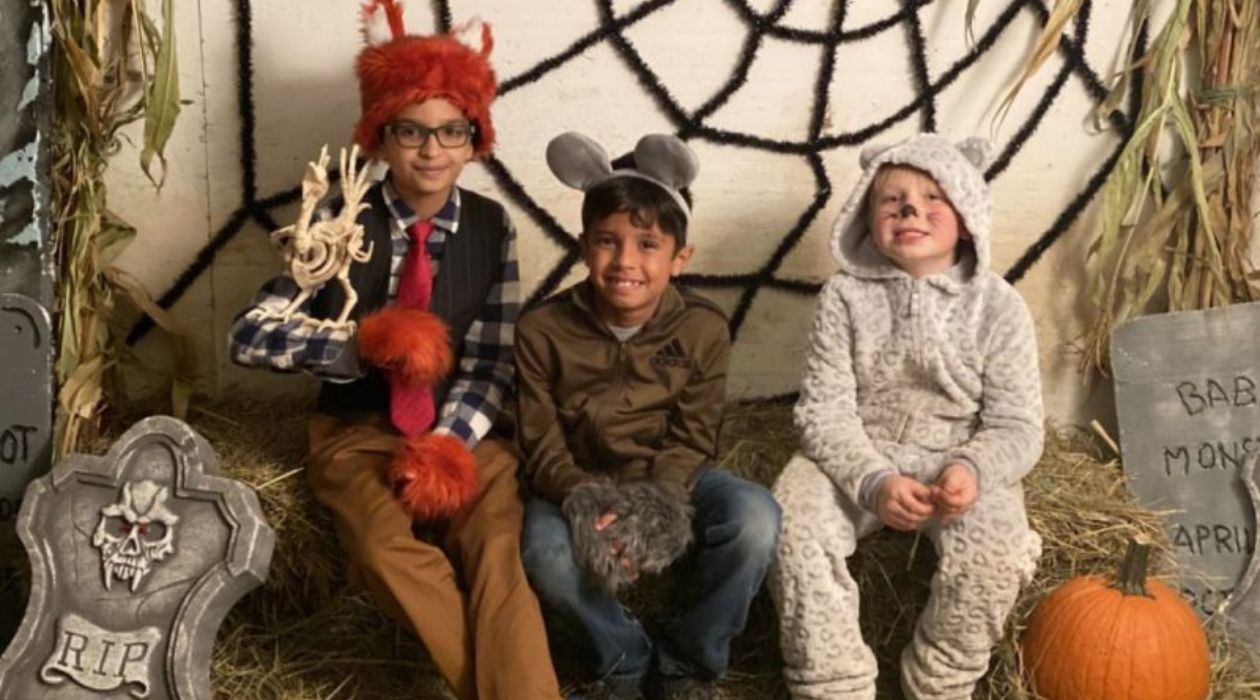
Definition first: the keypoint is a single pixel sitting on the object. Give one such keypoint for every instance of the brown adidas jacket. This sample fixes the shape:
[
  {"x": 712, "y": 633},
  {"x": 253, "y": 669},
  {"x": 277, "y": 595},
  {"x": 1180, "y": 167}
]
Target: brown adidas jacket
[{"x": 590, "y": 404}]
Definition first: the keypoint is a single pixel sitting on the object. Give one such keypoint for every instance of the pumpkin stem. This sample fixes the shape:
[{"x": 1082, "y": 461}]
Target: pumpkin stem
[{"x": 1131, "y": 578}]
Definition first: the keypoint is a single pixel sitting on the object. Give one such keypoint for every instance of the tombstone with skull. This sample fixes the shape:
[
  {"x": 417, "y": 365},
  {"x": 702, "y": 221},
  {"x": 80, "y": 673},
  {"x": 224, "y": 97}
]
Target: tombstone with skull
[
  {"x": 135, "y": 533},
  {"x": 135, "y": 559}
]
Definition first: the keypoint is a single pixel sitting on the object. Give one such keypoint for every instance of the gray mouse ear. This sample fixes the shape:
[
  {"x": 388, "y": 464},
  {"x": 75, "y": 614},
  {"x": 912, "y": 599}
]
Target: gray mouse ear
[
  {"x": 977, "y": 150},
  {"x": 667, "y": 159},
  {"x": 577, "y": 160},
  {"x": 870, "y": 153}
]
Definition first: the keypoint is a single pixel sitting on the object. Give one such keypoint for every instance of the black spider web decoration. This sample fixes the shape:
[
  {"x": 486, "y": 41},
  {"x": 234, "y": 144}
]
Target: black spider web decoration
[{"x": 694, "y": 125}]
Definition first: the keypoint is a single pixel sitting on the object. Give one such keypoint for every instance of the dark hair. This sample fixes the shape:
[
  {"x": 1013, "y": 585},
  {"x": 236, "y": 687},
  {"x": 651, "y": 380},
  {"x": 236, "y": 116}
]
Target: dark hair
[{"x": 646, "y": 202}]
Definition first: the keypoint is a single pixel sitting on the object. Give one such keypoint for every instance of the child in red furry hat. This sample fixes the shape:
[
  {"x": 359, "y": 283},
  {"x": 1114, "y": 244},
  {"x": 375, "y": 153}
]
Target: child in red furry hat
[{"x": 403, "y": 432}]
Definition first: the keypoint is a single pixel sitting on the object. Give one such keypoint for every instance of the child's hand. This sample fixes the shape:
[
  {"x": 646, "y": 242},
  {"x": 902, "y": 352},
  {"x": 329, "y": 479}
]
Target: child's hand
[
  {"x": 606, "y": 519},
  {"x": 603, "y": 521},
  {"x": 955, "y": 491},
  {"x": 904, "y": 504}
]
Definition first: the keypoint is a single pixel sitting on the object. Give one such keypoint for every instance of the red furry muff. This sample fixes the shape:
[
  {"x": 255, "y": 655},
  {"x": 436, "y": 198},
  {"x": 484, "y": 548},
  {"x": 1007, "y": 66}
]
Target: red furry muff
[
  {"x": 411, "y": 342},
  {"x": 433, "y": 476}
]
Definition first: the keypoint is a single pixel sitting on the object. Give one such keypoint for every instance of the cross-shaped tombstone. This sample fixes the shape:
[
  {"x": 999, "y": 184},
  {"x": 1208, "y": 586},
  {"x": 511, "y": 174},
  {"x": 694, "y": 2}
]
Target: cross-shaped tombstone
[{"x": 136, "y": 557}]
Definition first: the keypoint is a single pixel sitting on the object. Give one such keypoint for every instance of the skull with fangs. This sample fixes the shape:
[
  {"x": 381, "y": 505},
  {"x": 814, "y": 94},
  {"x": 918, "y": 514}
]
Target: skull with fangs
[{"x": 135, "y": 533}]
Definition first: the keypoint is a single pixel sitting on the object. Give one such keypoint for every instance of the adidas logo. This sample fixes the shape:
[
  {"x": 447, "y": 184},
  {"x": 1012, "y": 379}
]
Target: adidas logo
[{"x": 671, "y": 355}]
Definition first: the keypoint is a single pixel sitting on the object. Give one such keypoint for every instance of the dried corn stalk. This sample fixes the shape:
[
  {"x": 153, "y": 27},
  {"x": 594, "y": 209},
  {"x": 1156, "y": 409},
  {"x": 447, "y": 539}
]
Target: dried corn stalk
[
  {"x": 111, "y": 66},
  {"x": 1174, "y": 232}
]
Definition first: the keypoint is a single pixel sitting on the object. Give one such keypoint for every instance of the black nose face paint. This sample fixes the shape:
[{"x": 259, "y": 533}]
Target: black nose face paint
[{"x": 907, "y": 210}]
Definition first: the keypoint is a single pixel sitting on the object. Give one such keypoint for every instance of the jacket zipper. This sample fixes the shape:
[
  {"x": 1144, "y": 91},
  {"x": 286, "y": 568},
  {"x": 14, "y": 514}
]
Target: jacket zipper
[
  {"x": 621, "y": 368},
  {"x": 916, "y": 322},
  {"x": 618, "y": 385}
]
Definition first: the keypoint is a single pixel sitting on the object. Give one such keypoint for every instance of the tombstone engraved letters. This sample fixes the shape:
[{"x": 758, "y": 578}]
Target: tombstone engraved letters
[
  {"x": 1188, "y": 400},
  {"x": 135, "y": 559},
  {"x": 26, "y": 402},
  {"x": 99, "y": 659}
]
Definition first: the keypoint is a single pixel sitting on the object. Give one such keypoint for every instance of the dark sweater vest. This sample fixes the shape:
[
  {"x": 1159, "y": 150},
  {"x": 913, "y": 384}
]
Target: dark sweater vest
[{"x": 472, "y": 263}]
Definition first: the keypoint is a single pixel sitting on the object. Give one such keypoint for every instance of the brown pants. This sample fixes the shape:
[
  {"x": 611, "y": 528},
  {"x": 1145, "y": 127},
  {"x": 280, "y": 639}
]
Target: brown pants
[{"x": 487, "y": 641}]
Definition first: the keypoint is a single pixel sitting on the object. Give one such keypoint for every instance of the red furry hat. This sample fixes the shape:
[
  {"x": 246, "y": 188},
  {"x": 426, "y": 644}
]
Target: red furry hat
[{"x": 396, "y": 69}]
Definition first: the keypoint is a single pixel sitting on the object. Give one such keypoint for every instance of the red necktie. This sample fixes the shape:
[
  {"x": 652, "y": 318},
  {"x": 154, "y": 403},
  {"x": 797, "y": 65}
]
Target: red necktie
[{"x": 411, "y": 407}]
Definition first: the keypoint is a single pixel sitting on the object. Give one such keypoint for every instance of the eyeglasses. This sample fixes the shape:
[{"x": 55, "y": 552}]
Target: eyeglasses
[{"x": 412, "y": 135}]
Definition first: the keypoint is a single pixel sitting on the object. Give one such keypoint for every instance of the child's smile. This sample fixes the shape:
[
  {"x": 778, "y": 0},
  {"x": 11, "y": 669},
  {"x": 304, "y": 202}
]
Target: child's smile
[
  {"x": 625, "y": 285},
  {"x": 425, "y": 174},
  {"x": 630, "y": 266},
  {"x": 913, "y": 223}
]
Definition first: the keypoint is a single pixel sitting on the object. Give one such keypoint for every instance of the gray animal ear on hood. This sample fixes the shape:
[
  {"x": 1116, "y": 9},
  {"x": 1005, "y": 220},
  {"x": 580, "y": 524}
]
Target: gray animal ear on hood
[
  {"x": 667, "y": 159},
  {"x": 977, "y": 150},
  {"x": 578, "y": 161},
  {"x": 870, "y": 153}
]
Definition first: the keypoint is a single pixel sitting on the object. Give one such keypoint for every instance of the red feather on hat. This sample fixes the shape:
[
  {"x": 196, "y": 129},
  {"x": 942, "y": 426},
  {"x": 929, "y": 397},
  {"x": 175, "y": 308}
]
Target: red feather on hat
[{"x": 374, "y": 13}]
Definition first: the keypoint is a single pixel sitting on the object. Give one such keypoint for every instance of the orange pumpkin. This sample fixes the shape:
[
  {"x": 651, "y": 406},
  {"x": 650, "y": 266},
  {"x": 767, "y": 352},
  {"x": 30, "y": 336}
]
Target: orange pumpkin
[{"x": 1130, "y": 639}]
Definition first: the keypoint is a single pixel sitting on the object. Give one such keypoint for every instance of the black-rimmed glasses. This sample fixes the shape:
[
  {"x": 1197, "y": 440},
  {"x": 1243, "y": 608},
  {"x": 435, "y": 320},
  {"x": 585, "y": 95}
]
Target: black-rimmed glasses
[{"x": 412, "y": 135}]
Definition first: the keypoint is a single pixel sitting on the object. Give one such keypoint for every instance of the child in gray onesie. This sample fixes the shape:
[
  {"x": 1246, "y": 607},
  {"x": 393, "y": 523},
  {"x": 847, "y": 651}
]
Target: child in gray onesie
[{"x": 920, "y": 409}]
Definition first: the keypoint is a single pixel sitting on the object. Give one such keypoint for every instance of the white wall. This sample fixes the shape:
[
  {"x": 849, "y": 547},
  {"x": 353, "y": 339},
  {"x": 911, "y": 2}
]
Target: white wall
[{"x": 305, "y": 96}]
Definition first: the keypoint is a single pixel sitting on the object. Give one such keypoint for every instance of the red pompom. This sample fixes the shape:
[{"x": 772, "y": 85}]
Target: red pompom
[
  {"x": 411, "y": 342},
  {"x": 433, "y": 475}
]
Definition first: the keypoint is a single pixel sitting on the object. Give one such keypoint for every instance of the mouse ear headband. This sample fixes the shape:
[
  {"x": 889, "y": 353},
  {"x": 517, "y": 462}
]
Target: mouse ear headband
[{"x": 661, "y": 159}]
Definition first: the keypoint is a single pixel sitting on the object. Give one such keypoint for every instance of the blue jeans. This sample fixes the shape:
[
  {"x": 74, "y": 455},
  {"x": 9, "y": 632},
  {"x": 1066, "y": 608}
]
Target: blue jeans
[{"x": 736, "y": 527}]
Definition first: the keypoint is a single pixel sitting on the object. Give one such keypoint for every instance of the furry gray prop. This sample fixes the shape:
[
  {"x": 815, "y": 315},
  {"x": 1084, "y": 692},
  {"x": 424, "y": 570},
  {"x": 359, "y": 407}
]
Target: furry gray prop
[
  {"x": 592, "y": 552},
  {"x": 653, "y": 526}
]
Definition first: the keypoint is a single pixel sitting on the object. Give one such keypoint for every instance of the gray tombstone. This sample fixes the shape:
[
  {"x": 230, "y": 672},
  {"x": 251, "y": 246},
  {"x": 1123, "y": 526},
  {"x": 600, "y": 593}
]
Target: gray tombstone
[
  {"x": 136, "y": 557},
  {"x": 26, "y": 403},
  {"x": 1188, "y": 400},
  {"x": 26, "y": 261},
  {"x": 1244, "y": 606}
]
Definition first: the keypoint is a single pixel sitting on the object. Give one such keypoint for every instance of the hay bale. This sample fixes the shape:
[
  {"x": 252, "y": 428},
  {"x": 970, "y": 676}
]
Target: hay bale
[
  {"x": 1076, "y": 501},
  {"x": 308, "y": 633},
  {"x": 264, "y": 445}
]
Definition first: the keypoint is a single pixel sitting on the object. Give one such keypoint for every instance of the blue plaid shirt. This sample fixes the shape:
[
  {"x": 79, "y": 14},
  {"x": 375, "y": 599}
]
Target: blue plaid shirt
[{"x": 485, "y": 369}]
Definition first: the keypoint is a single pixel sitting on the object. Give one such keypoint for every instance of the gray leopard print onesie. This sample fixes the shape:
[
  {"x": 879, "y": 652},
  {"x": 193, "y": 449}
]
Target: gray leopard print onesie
[{"x": 908, "y": 375}]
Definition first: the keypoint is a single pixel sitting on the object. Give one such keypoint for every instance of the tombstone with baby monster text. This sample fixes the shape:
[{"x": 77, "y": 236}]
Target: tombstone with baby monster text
[
  {"x": 135, "y": 559},
  {"x": 1188, "y": 401}
]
